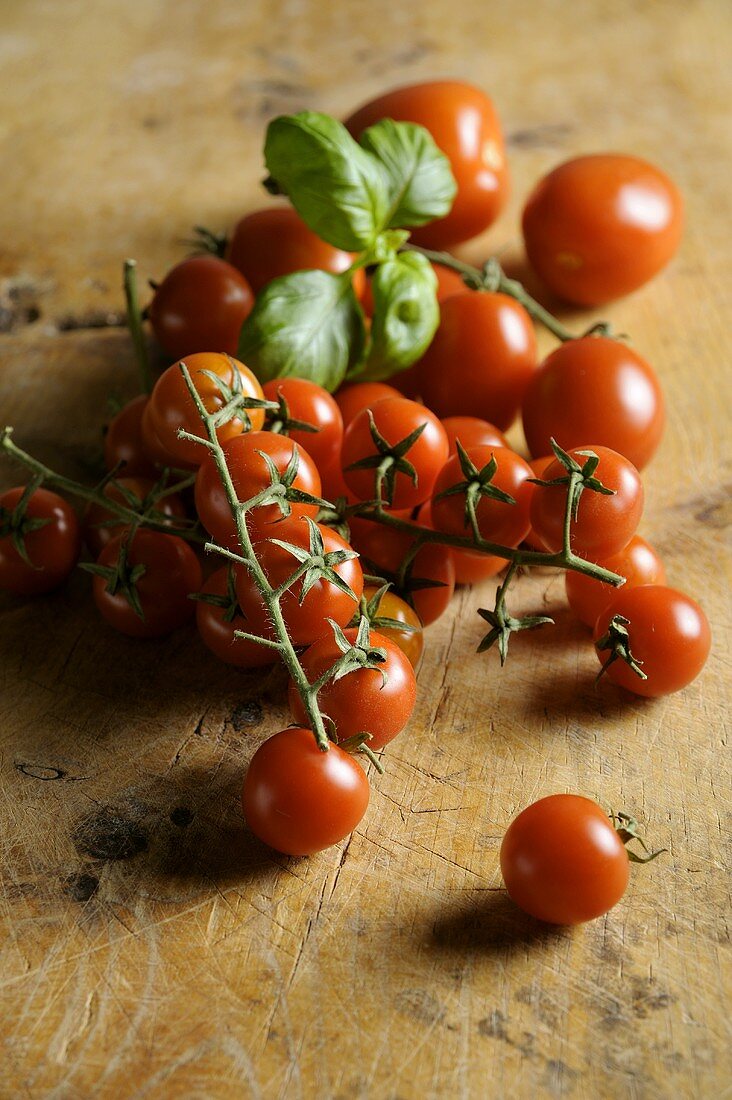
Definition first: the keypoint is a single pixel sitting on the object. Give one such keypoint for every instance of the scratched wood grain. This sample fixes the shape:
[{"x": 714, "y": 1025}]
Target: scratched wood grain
[{"x": 151, "y": 947}]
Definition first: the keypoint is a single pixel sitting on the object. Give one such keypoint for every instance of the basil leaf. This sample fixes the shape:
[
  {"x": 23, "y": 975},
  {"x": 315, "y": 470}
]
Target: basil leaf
[
  {"x": 421, "y": 184},
  {"x": 406, "y": 315},
  {"x": 337, "y": 188},
  {"x": 308, "y": 324}
]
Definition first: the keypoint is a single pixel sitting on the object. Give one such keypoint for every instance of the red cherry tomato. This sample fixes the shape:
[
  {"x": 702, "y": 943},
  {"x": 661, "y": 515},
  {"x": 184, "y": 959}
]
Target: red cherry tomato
[
  {"x": 472, "y": 432},
  {"x": 538, "y": 467},
  {"x": 383, "y": 550},
  {"x": 123, "y": 441},
  {"x": 171, "y": 406},
  {"x": 52, "y": 549},
  {"x": 562, "y": 860},
  {"x": 200, "y": 305},
  {"x": 465, "y": 126},
  {"x": 669, "y": 638},
  {"x": 498, "y": 521},
  {"x": 158, "y": 457},
  {"x": 360, "y": 701},
  {"x": 171, "y": 573},
  {"x": 471, "y": 567},
  {"x": 395, "y": 418},
  {"x": 300, "y": 800},
  {"x": 311, "y": 404},
  {"x": 217, "y": 630},
  {"x": 276, "y": 241},
  {"x": 638, "y": 562},
  {"x": 480, "y": 361},
  {"x": 600, "y": 226},
  {"x": 356, "y": 396},
  {"x": 96, "y": 526},
  {"x": 595, "y": 388},
  {"x": 604, "y": 524},
  {"x": 391, "y": 606},
  {"x": 250, "y": 475}
]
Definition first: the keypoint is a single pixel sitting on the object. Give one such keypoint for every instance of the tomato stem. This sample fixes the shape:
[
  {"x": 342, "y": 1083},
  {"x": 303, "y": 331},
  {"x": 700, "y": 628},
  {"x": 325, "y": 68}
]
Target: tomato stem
[{"x": 134, "y": 323}]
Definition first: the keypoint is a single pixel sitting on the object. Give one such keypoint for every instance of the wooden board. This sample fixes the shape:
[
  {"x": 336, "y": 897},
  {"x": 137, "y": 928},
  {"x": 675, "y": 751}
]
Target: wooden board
[{"x": 151, "y": 947}]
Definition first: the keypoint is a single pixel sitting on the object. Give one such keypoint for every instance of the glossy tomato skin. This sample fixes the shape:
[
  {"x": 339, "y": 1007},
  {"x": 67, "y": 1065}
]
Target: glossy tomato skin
[
  {"x": 595, "y": 388},
  {"x": 250, "y": 475},
  {"x": 604, "y": 524},
  {"x": 157, "y": 454},
  {"x": 669, "y": 637},
  {"x": 562, "y": 861},
  {"x": 391, "y": 606},
  {"x": 471, "y": 566},
  {"x": 395, "y": 418},
  {"x": 598, "y": 227},
  {"x": 538, "y": 468},
  {"x": 498, "y": 522},
  {"x": 360, "y": 701},
  {"x": 218, "y": 634},
  {"x": 53, "y": 549},
  {"x": 97, "y": 535},
  {"x": 465, "y": 126},
  {"x": 124, "y": 443},
  {"x": 638, "y": 562},
  {"x": 276, "y": 241},
  {"x": 356, "y": 396},
  {"x": 300, "y": 800},
  {"x": 200, "y": 305},
  {"x": 471, "y": 431},
  {"x": 172, "y": 573},
  {"x": 171, "y": 406},
  {"x": 383, "y": 550},
  {"x": 480, "y": 361},
  {"x": 311, "y": 404}
]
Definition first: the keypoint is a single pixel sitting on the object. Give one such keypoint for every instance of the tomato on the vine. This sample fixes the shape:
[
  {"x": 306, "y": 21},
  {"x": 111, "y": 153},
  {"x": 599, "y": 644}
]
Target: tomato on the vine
[
  {"x": 638, "y": 562},
  {"x": 562, "y": 860},
  {"x": 498, "y": 521},
  {"x": 465, "y": 126},
  {"x": 391, "y": 606},
  {"x": 200, "y": 305},
  {"x": 471, "y": 431},
  {"x": 357, "y": 396},
  {"x": 310, "y": 404},
  {"x": 124, "y": 443},
  {"x": 668, "y": 637},
  {"x": 595, "y": 388},
  {"x": 52, "y": 549},
  {"x": 598, "y": 227},
  {"x": 429, "y": 580},
  {"x": 471, "y": 566},
  {"x": 538, "y": 466},
  {"x": 99, "y": 525},
  {"x": 217, "y": 627}
]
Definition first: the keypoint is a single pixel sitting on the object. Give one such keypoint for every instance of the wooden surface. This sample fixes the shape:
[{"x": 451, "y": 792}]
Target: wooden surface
[{"x": 150, "y": 946}]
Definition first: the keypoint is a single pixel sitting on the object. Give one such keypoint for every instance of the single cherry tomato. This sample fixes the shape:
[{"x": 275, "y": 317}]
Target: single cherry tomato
[
  {"x": 562, "y": 860},
  {"x": 250, "y": 474},
  {"x": 638, "y": 562},
  {"x": 538, "y": 467},
  {"x": 200, "y": 305},
  {"x": 100, "y": 526},
  {"x": 498, "y": 521},
  {"x": 171, "y": 405},
  {"x": 300, "y": 800},
  {"x": 362, "y": 701},
  {"x": 668, "y": 636},
  {"x": 604, "y": 524},
  {"x": 217, "y": 626},
  {"x": 597, "y": 227},
  {"x": 472, "y": 432},
  {"x": 276, "y": 241},
  {"x": 52, "y": 549},
  {"x": 171, "y": 573},
  {"x": 595, "y": 388},
  {"x": 356, "y": 396},
  {"x": 395, "y": 418},
  {"x": 465, "y": 126},
  {"x": 480, "y": 361},
  {"x": 310, "y": 404},
  {"x": 123, "y": 441},
  {"x": 391, "y": 606},
  {"x": 448, "y": 282},
  {"x": 428, "y": 582},
  {"x": 158, "y": 456},
  {"x": 471, "y": 566}
]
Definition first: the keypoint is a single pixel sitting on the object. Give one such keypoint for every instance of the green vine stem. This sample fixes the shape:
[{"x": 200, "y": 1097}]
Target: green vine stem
[{"x": 134, "y": 323}]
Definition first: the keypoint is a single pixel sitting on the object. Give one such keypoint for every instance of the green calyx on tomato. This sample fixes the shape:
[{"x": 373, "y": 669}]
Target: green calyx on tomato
[
  {"x": 477, "y": 483},
  {"x": 616, "y": 639}
]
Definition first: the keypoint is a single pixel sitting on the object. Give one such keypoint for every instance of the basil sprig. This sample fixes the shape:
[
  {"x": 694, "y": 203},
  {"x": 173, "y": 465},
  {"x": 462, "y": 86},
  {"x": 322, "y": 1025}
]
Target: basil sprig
[{"x": 406, "y": 315}]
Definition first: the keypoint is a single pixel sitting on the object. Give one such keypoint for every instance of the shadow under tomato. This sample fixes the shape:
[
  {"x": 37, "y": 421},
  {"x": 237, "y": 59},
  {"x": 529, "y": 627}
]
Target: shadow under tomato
[{"x": 491, "y": 924}]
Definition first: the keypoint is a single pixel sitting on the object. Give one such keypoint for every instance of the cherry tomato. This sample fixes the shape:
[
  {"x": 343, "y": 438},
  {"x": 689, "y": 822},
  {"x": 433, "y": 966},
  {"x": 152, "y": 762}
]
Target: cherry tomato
[
  {"x": 250, "y": 475},
  {"x": 638, "y": 562},
  {"x": 171, "y": 573},
  {"x": 96, "y": 527},
  {"x": 595, "y": 388},
  {"x": 171, "y": 406},
  {"x": 391, "y": 606},
  {"x": 395, "y": 418},
  {"x": 300, "y": 800},
  {"x": 448, "y": 282},
  {"x": 669, "y": 638},
  {"x": 562, "y": 860},
  {"x": 217, "y": 629},
  {"x": 471, "y": 566},
  {"x": 538, "y": 467},
  {"x": 429, "y": 581},
  {"x": 498, "y": 521},
  {"x": 311, "y": 404},
  {"x": 604, "y": 524},
  {"x": 600, "y": 226},
  {"x": 480, "y": 361},
  {"x": 158, "y": 456},
  {"x": 465, "y": 126},
  {"x": 356, "y": 396},
  {"x": 306, "y": 617},
  {"x": 200, "y": 305},
  {"x": 360, "y": 701},
  {"x": 123, "y": 441},
  {"x": 52, "y": 549},
  {"x": 276, "y": 241},
  {"x": 472, "y": 432}
]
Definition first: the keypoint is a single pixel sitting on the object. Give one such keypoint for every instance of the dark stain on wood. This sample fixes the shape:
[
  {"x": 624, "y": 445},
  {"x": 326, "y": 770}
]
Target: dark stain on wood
[
  {"x": 246, "y": 715},
  {"x": 110, "y": 833},
  {"x": 82, "y": 886}
]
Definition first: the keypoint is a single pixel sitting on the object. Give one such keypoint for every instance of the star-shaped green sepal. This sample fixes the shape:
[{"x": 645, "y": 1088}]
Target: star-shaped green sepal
[
  {"x": 389, "y": 460},
  {"x": 315, "y": 564},
  {"x": 478, "y": 483}
]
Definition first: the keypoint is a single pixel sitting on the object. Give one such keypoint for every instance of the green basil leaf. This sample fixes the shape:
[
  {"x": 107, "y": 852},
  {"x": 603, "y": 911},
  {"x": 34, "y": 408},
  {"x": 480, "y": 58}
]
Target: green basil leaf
[
  {"x": 406, "y": 315},
  {"x": 421, "y": 184},
  {"x": 308, "y": 324},
  {"x": 337, "y": 188}
]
